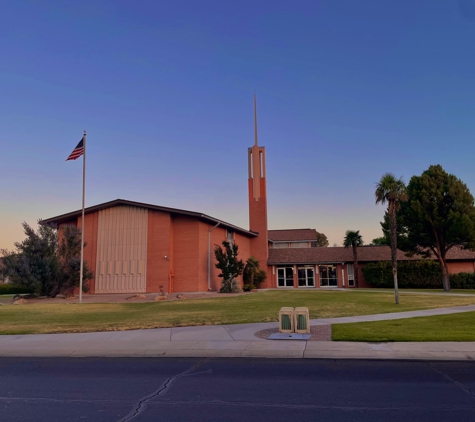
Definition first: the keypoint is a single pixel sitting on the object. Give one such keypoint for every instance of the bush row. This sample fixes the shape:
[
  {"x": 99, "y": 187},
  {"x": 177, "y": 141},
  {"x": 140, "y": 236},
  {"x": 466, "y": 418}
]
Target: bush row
[
  {"x": 8, "y": 289},
  {"x": 462, "y": 281},
  {"x": 414, "y": 274},
  {"x": 411, "y": 274}
]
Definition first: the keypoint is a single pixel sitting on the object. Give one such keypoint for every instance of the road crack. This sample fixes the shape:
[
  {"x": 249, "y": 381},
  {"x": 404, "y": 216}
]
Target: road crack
[
  {"x": 142, "y": 403},
  {"x": 448, "y": 378}
]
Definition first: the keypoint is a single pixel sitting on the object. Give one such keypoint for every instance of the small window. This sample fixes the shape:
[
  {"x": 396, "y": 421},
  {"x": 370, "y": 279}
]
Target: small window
[
  {"x": 230, "y": 236},
  {"x": 281, "y": 245},
  {"x": 299, "y": 245}
]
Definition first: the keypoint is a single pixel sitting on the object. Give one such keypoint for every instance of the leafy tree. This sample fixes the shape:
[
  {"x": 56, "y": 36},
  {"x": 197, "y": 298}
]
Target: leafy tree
[
  {"x": 440, "y": 214},
  {"x": 231, "y": 267},
  {"x": 401, "y": 232},
  {"x": 42, "y": 264},
  {"x": 70, "y": 261},
  {"x": 253, "y": 276},
  {"x": 34, "y": 263},
  {"x": 322, "y": 240},
  {"x": 353, "y": 239},
  {"x": 392, "y": 191},
  {"x": 380, "y": 241}
]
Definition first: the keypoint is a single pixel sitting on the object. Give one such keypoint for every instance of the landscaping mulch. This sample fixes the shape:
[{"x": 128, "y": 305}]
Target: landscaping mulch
[{"x": 318, "y": 333}]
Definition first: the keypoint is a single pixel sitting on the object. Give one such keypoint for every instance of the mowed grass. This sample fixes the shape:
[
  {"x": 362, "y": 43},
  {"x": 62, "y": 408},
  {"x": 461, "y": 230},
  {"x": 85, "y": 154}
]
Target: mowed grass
[
  {"x": 456, "y": 291},
  {"x": 454, "y": 327},
  {"x": 254, "y": 307}
]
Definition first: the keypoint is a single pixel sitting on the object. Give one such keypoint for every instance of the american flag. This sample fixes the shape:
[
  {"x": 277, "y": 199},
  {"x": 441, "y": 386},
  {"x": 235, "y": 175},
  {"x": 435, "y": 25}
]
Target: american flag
[{"x": 78, "y": 151}]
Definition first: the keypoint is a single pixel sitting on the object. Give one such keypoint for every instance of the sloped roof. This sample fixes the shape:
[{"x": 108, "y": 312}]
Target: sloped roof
[
  {"x": 332, "y": 255},
  {"x": 457, "y": 253},
  {"x": 341, "y": 254},
  {"x": 291, "y": 235},
  {"x": 65, "y": 218}
]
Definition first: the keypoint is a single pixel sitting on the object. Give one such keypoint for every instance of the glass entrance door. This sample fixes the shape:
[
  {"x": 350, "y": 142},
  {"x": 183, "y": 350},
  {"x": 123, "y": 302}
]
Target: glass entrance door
[
  {"x": 328, "y": 276},
  {"x": 285, "y": 277},
  {"x": 306, "y": 277}
]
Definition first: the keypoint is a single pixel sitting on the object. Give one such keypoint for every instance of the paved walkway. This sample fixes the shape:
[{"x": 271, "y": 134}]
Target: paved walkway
[{"x": 235, "y": 341}]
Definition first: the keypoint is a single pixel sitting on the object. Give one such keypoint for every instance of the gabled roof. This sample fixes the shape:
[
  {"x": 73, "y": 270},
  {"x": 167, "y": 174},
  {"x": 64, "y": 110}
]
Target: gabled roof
[
  {"x": 332, "y": 255},
  {"x": 292, "y": 235},
  {"x": 65, "y": 218}
]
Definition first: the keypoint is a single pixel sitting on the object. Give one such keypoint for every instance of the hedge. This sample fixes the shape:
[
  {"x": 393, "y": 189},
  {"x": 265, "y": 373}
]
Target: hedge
[
  {"x": 410, "y": 274},
  {"x": 414, "y": 274},
  {"x": 462, "y": 281},
  {"x": 8, "y": 289}
]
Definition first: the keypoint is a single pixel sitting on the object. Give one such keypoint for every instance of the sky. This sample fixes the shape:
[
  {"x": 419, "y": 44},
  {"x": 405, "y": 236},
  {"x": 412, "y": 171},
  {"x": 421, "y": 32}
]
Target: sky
[{"x": 346, "y": 91}]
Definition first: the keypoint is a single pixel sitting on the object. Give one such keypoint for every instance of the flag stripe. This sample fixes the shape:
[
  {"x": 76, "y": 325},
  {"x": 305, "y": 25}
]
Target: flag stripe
[{"x": 78, "y": 151}]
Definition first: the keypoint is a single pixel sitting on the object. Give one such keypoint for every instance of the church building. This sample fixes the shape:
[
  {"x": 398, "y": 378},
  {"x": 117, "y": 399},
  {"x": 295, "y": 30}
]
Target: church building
[{"x": 134, "y": 247}]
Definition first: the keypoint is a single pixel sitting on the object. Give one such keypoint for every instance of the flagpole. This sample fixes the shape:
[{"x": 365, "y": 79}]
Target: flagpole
[{"x": 81, "y": 273}]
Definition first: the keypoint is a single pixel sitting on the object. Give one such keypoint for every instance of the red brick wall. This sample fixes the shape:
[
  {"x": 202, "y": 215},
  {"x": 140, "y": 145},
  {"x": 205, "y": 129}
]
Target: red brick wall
[
  {"x": 258, "y": 223},
  {"x": 90, "y": 236},
  {"x": 158, "y": 246},
  {"x": 217, "y": 236},
  {"x": 361, "y": 280},
  {"x": 90, "y": 239},
  {"x": 461, "y": 267},
  {"x": 186, "y": 254}
]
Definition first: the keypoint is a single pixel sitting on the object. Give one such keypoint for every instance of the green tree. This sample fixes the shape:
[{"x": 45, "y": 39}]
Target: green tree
[
  {"x": 440, "y": 214},
  {"x": 322, "y": 240},
  {"x": 392, "y": 191},
  {"x": 380, "y": 241},
  {"x": 401, "y": 232},
  {"x": 34, "y": 262},
  {"x": 69, "y": 253},
  {"x": 42, "y": 264},
  {"x": 231, "y": 267},
  {"x": 353, "y": 239},
  {"x": 253, "y": 276}
]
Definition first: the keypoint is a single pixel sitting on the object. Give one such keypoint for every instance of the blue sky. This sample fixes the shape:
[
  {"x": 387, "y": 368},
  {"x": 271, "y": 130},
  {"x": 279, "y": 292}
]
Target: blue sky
[{"x": 346, "y": 92}]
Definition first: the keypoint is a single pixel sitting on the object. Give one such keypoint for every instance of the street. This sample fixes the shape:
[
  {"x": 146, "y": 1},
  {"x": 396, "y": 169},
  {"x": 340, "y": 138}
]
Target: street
[{"x": 160, "y": 389}]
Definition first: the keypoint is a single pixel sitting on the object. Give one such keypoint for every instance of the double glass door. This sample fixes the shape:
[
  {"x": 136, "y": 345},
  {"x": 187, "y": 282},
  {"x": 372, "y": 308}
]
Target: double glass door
[
  {"x": 285, "y": 277},
  {"x": 328, "y": 276},
  {"x": 306, "y": 277}
]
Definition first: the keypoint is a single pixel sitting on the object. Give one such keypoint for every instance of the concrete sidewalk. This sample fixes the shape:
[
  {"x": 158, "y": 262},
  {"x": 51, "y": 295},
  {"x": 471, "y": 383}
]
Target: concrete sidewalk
[{"x": 235, "y": 341}]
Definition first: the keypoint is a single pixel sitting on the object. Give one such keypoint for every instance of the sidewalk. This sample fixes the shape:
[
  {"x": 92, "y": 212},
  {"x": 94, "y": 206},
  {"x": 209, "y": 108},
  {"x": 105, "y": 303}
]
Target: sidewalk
[{"x": 235, "y": 341}]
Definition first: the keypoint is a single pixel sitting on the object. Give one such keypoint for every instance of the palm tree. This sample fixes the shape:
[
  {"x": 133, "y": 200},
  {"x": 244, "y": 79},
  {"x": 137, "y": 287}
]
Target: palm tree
[
  {"x": 354, "y": 240},
  {"x": 393, "y": 191}
]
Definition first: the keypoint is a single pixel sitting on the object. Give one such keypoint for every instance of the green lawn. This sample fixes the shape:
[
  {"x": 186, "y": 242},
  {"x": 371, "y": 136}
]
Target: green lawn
[
  {"x": 255, "y": 307},
  {"x": 454, "y": 327},
  {"x": 467, "y": 291}
]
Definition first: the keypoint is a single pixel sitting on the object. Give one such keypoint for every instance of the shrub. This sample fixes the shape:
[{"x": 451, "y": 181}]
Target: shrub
[
  {"x": 231, "y": 267},
  {"x": 462, "y": 281},
  {"x": 410, "y": 274},
  {"x": 8, "y": 289},
  {"x": 252, "y": 275}
]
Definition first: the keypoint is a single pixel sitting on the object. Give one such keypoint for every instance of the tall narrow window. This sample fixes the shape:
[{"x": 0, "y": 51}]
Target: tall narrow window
[
  {"x": 351, "y": 275},
  {"x": 261, "y": 161}
]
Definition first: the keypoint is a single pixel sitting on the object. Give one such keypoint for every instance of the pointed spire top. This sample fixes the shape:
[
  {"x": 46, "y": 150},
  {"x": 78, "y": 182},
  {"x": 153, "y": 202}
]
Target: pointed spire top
[{"x": 255, "y": 120}]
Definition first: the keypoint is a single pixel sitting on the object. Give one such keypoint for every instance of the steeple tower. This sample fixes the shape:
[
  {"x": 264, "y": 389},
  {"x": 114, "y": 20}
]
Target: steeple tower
[{"x": 258, "y": 198}]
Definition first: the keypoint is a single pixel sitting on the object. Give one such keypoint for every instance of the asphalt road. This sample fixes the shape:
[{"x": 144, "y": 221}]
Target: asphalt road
[{"x": 108, "y": 389}]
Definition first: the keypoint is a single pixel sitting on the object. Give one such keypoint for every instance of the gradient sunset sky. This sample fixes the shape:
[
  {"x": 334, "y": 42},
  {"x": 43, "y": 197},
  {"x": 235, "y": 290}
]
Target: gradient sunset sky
[{"x": 347, "y": 90}]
